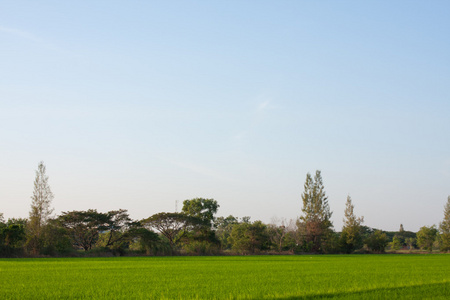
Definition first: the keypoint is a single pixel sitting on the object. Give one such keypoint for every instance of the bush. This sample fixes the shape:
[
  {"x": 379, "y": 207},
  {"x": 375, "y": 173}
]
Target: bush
[
  {"x": 377, "y": 241},
  {"x": 200, "y": 248}
]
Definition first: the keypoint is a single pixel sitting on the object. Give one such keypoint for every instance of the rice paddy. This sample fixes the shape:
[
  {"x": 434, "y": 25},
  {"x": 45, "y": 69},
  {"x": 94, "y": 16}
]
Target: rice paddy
[{"x": 228, "y": 277}]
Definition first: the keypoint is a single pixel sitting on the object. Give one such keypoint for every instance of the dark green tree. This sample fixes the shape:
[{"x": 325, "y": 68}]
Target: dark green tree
[
  {"x": 173, "y": 226},
  {"x": 223, "y": 227},
  {"x": 377, "y": 241},
  {"x": 201, "y": 239},
  {"x": 12, "y": 237},
  {"x": 142, "y": 239},
  {"x": 83, "y": 227},
  {"x": 315, "y": 224},
  {"x": 55, "y": 239},
  {"x": 249, "y": 237},
  {"x": 201, "y": 208},
  {"x": 426, "y": 237},
  {"x": 115, "y": 227}
]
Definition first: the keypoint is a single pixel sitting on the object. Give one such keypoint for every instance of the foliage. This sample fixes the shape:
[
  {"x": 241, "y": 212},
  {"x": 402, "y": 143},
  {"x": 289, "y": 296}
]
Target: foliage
[
  {"x": 40, "y": 209},
  {"x": 201, "y": 238},
  {"x": 351, "y": 237},
  {"x": 316, "y": 216},
  {"x": 444, "y": 229},
  {"x": 200, "y": 247},
  {"x": 249, "y": 237},
  {"x": 377, "y": 241},
  {"x": 12, "y": 236},
  {"x": 426, "y": 237},
  {"x": 115, "y": 226},
  {"x": 410, "y": 243},
  {"x": 173, "y": 226},
  {"x": 201, "y": 208},
  {"x": 223, "y": 227},
  {"x": 278, "y": 234},
  {"x": 55, "y": 239},
  {"x": 144, "y": 240},
  {"x": 83, "y": 227},
  {"x": 396, "y": 243}
]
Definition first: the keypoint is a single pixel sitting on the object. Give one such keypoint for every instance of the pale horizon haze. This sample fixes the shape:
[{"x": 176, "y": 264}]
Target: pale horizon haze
[{"x": 140, "y": 104}]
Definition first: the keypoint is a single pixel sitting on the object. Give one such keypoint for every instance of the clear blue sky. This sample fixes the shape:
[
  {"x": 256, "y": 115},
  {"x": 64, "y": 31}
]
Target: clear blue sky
[{"x": 140, "y": 104}]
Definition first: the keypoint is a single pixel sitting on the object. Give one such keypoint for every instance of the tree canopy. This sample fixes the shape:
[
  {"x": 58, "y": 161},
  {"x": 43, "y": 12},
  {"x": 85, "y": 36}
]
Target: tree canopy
[{"x": 201, "y": 208}]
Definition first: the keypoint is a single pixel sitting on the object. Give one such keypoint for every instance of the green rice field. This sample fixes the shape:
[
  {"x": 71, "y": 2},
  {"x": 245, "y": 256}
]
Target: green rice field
[{"x": 228, "y": 277}]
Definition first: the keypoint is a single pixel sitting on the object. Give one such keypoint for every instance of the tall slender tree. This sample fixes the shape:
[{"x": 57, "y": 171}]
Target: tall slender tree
[
  {"x": 444, "y": 229},
  {"x": 351, "y": 237},
  {"x": 40, "y": 208},
  {"x": 315, "y": 224}
]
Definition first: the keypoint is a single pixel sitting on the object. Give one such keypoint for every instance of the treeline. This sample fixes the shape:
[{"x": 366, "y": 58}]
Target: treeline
[{"x": 197, "y": 231}]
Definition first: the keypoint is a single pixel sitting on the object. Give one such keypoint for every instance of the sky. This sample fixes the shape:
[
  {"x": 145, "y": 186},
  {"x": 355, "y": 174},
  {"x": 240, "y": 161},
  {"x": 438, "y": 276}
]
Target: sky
[{"x": 143, "y": 104}]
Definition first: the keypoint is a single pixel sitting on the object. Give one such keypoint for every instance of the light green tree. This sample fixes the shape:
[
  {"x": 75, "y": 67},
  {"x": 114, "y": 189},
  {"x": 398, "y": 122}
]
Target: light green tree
[
  {"x": 444, "y": 229},
  {"x": 40, "y": 209},
  {"x": 410, "y": 243},
  {"x": 351, "y": 236},
  {"x": 426, "y": 237},
  {"x": 315, "y": 224},
  {"x": 396, "y": 243}
]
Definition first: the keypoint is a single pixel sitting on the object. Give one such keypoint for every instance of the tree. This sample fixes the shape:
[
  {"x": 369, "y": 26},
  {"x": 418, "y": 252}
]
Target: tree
[
  {"x": 316, "y": 225},
  {"x": 201, "y": 239},
  {"x": 401, "y": 237},
  {"x": 410, "y": 242},
  {"x": 377, "y": 241},
  {"x": 444, "y": 229},
  {"x": 279, "y": 233},
  {"x": 142, "y": 239},
  {"x": 116, "y": 223},
  {"x": 351, "y": 236},
  {"x": 12, "y": 236},
  {"x": 426, "y": 237},
  {"x": 171, "y": 225},
  {"x": 83, "y": 227},
  {"x": 40, "y": 208},
  {"x": 201, "y": 208},
  {"x": 249, "y": 237},
  {"x": 223, "y": 228},
  {"x": 396, "y": 243},
  {"x": 56, "y": 239}
]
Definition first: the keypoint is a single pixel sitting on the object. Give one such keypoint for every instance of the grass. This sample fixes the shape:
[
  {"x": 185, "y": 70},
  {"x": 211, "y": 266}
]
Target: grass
[{"x": 235, "y": 277}]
